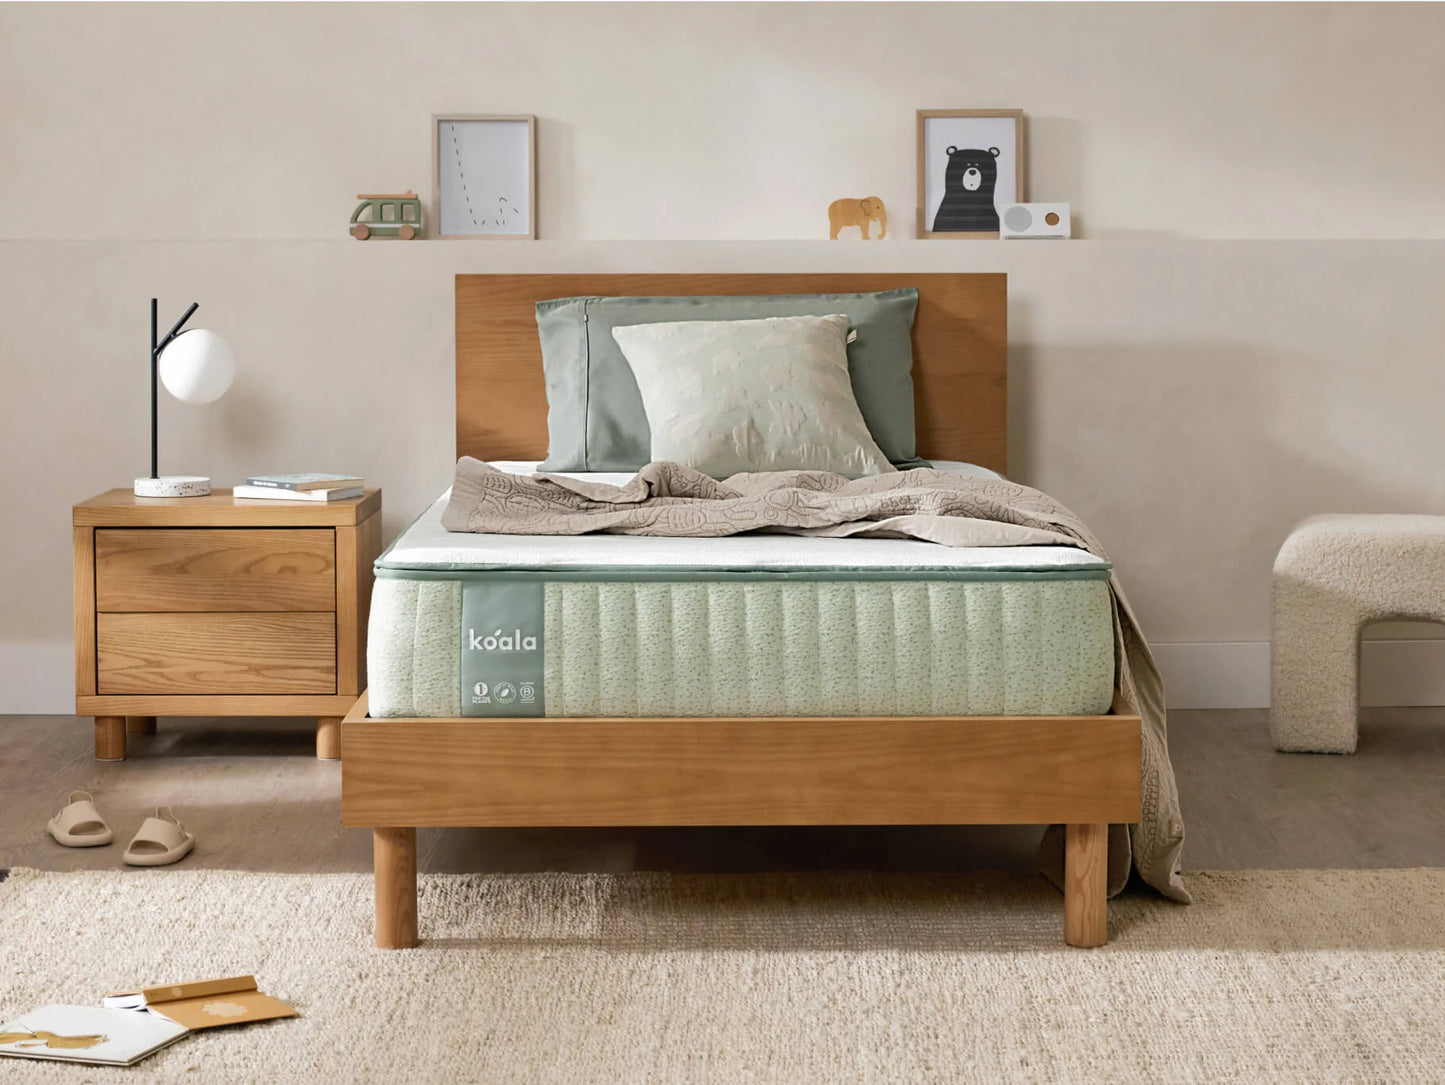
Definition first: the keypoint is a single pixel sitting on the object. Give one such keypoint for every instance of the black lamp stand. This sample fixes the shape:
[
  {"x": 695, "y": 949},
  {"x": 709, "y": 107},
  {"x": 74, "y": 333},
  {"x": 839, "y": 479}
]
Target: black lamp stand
[{"x": 156, "y": 348}]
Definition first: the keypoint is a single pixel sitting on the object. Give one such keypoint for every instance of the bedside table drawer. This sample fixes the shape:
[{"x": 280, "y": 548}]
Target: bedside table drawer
[
  {"x": 153, "y": 570},
  {"x": 215, "y": 653}
]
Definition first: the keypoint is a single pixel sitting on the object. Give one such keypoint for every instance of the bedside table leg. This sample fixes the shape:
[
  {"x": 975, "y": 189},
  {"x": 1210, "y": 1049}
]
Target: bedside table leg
[
  {"x": 110, "y": 738},
  {"x": 328, "y": 738},
  {"x": 140, "y": 725}
]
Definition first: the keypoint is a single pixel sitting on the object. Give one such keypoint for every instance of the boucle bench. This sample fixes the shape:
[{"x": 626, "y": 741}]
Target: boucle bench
[{"x": 1333, "y": 576}]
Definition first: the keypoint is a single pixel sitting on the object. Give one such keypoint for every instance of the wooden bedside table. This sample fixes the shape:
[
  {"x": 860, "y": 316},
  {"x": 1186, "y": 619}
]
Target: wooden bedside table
[{"x": 209, "y": 606}]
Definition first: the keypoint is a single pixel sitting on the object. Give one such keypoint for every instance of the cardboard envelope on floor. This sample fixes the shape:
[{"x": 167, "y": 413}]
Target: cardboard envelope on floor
[{"x": 204, "y": 1003}]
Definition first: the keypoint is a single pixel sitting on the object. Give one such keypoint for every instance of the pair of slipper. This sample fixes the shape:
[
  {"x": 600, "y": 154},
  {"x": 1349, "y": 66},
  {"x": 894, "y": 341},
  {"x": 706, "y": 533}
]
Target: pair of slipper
[{"x": 159, "y": 841}]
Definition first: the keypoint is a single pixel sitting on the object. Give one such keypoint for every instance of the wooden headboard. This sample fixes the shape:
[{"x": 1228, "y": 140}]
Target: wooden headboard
[{"x": 960, "y": 353}]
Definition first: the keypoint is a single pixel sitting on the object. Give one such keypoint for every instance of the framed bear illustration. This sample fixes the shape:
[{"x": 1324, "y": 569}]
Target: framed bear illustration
[{"x": 970, "y": 167}]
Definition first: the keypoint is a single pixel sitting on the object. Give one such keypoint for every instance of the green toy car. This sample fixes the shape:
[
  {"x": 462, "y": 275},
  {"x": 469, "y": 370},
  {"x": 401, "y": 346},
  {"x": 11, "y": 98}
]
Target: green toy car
[{"x": 394, "y": 214}]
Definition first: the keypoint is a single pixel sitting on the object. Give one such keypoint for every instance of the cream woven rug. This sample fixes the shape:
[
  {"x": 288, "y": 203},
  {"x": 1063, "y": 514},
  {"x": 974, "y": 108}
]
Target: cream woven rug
[{"x": 1270, "y": 976}]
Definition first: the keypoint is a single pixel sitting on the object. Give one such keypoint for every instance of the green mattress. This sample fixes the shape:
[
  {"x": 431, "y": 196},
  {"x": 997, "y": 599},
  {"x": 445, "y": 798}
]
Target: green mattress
[{"x": 486, "y": 625}]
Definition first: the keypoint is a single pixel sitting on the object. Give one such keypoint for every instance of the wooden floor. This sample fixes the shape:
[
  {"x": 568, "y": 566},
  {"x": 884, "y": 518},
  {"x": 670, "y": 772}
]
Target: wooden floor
[{"x": 257, "y": 799}]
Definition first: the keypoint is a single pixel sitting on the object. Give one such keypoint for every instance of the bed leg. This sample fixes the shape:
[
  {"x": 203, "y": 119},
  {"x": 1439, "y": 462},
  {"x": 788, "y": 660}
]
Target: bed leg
[
  {"x": 110, "y": 738},
  {"x": 328, "y": 738},
  {"x": 394, "y": 856},
  {"x": 1086, "y": 890}
]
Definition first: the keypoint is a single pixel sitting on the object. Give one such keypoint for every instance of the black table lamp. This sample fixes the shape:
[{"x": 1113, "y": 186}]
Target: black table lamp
[{"x": 196, "y": 366}]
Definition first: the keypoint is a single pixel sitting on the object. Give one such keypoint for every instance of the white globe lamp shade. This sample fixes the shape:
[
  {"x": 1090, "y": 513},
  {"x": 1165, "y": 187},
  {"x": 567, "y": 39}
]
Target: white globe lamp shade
[{"x": 197, "y": 366}]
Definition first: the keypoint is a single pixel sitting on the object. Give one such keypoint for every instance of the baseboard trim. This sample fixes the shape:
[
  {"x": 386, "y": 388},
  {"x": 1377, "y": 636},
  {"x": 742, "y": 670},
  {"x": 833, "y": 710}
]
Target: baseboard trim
[
  {"x": 39, "y": 679},
  {"x": 1224, "y": 675},
  {"x": 1397, "y": 673}
]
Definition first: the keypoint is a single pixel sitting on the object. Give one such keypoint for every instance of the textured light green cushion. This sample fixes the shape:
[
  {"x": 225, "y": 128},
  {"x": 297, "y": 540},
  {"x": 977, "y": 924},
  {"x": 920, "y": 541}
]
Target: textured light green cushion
[
  {"x": 777, "y": 647},
  {"x": 595, "y": 417},
  {"x": 725, "y": 396}
]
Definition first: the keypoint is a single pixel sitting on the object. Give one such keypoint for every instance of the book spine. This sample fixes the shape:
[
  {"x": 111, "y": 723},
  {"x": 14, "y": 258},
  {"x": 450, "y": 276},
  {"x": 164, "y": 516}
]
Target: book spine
[{"x": 272, "y": 484}]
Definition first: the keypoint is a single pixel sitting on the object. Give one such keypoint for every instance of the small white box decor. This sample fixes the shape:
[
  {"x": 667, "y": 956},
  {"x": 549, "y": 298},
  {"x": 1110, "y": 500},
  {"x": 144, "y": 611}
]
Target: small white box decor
[{"x": 1035, "y": 220}]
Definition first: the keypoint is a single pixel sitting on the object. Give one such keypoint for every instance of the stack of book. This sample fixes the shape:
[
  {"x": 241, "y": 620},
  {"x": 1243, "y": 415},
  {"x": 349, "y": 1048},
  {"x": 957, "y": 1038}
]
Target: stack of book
[{"x": 306, "y": 487}]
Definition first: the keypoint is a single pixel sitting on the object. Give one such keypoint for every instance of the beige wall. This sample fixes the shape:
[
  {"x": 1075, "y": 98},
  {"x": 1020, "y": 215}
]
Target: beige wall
[
  {"x": 735, "y": 121},
  {"x": 1192, "y": 398}
]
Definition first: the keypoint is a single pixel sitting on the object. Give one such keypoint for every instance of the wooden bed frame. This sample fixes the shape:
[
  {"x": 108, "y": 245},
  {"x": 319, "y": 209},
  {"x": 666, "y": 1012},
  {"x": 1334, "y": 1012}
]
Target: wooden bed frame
[{"x": 1081, "y": 771}]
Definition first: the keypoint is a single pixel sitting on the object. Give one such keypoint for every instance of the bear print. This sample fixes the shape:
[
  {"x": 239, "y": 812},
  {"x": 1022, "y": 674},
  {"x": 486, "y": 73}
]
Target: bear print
[{"x": 968, "y": 185}]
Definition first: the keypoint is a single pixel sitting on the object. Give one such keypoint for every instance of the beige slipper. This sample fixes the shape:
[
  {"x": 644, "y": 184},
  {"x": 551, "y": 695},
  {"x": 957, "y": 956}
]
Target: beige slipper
[
  {"x": 79, "y": 824},
  {"x": 159, "y": 841}
]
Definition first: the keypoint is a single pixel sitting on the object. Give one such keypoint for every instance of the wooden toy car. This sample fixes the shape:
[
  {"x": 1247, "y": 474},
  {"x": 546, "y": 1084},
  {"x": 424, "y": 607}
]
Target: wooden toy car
[{"x": 393, "y": 214}]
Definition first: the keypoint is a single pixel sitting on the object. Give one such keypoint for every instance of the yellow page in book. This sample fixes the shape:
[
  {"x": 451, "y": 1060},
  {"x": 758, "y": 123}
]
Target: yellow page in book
[{"x": 206, "y": 1003}]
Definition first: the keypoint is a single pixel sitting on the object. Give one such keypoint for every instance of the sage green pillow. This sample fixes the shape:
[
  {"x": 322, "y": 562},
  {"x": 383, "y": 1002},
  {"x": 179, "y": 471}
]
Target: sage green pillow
[
  {"x": 595, "y": 417},
  {"x": 725, "y": 396}
]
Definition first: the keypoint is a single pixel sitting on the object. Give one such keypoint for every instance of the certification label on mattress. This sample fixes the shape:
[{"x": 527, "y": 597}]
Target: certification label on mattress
[{"x": 501, "y": 649}]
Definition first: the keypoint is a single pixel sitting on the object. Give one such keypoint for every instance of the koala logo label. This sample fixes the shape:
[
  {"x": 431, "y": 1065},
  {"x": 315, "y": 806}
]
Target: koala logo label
[
  {"x": 500, "y": 645},
  {"x": 969, "y": 180},
  {"x": 500, "y": 642}
]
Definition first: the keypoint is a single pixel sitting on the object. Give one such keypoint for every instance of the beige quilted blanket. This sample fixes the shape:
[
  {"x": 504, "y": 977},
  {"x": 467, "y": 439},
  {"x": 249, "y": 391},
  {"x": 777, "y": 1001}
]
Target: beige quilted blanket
[{"x": 952, "y": 510}]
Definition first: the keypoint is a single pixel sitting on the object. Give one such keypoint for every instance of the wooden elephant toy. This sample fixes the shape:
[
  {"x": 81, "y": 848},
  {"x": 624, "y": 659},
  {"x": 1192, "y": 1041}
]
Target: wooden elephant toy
[{"x": 857, "y": 213}]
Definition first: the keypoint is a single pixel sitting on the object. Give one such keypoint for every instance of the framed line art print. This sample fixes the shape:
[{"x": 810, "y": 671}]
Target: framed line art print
[
  {"x": 484, "y": 176},
  {"x": 970, "y": 167}
]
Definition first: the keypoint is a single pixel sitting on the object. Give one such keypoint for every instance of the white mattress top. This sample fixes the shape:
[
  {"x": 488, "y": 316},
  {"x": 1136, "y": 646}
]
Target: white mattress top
[{"x": 426, "y": 544}]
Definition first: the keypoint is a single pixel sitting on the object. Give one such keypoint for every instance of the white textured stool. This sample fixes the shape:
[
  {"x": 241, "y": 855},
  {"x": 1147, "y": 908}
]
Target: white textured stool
[{"x": 1335, "y": 575}]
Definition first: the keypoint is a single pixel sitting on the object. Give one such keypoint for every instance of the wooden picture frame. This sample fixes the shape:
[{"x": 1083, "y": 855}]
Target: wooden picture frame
[
  {"x": 934, "y": 165},
  {"x": 487, "y": 209}
]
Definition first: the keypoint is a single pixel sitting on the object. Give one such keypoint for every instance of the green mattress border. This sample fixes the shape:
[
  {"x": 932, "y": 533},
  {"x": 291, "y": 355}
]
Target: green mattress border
[{"x": 685, "y": 573}]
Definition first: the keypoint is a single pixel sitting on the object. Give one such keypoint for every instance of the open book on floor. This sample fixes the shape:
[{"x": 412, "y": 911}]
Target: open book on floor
[
  {"x": 88, "y": 1034},
  {"x": 130, "y": 1025}
]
